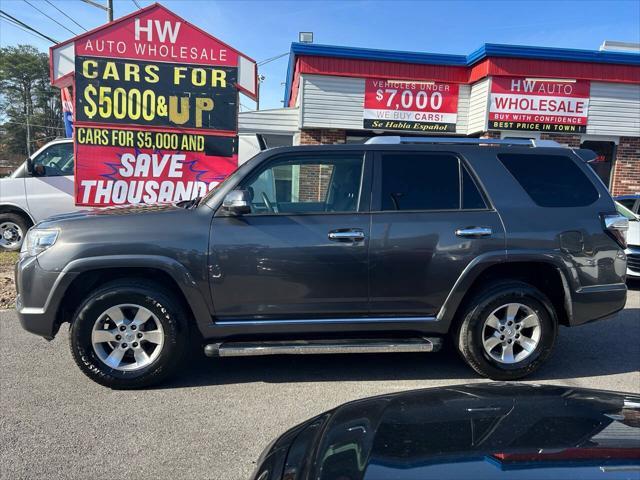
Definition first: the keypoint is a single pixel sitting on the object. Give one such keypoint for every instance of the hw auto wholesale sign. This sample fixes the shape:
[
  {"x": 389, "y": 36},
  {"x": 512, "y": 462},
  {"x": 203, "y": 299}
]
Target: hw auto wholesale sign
[
  {"x": 539, "y": 105},
  {"x": 156, "y": 105},
  {"x": 410, "y": 106}
]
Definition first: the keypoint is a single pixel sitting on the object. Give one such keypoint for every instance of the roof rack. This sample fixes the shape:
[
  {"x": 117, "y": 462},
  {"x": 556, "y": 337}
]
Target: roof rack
[{"x": 511, "y": 142}]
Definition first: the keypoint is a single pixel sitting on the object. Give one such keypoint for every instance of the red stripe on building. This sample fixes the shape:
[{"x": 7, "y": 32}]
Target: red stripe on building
[{"x": 344, "y": 67}]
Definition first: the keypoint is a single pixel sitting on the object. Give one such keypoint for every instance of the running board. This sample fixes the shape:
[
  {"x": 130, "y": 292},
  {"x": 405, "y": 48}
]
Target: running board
[{"x": 315, "y": 347}]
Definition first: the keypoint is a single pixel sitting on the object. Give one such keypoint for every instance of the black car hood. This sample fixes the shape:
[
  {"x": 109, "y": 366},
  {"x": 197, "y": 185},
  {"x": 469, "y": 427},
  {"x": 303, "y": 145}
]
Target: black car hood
[{"x": 478, "y": 431}]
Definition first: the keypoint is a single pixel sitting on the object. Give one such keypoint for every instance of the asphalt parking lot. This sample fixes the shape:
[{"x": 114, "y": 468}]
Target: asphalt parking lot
[{"x": 215, "y": 419}]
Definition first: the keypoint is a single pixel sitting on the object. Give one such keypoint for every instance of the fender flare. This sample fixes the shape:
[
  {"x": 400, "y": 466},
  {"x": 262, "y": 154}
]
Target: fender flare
[
  {"x": 481, "y": 263},
  {"x": 176, "y": 270}
]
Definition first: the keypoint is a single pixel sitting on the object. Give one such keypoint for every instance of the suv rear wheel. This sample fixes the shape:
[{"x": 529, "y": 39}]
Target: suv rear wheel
[
  {"x": 507, "y": 331},
  {"x": 129, "y": 334}
]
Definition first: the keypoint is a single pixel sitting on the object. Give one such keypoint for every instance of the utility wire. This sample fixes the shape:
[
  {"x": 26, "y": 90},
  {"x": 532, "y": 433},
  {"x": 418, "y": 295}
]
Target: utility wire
[
  {"x": 17, "y": 25},
  {"x": 50, "y": 17},
  {"x": 28, "y": 27},
  {"x": 35, "y": 140},
  {"x": 269, "y": 60},
  {"x": 136, "y": 3},
  {"x": 63, "y": 13},
  {"x": 30, "y": 125}
]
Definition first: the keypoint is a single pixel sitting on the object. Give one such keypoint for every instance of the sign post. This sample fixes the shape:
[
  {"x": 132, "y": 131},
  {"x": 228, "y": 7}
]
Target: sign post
[{"x": 156, "y": 108}]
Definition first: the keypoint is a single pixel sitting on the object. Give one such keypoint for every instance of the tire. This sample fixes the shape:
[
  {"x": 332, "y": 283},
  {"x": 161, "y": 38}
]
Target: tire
[
  {"x": 15, "y": 224},
  {"x": 126, "y": 298},
  {"x": 475, "y": 329}
]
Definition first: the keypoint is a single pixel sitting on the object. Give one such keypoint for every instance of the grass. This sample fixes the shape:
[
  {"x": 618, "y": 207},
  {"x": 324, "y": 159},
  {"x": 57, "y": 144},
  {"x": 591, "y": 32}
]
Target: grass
[{"x": 8, "y": 258}]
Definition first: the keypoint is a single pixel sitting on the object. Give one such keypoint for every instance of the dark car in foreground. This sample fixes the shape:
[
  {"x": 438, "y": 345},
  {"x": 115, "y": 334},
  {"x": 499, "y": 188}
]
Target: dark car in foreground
[
  {"x": 389, "y": 246},
  {"x": 483, "y": 431}
]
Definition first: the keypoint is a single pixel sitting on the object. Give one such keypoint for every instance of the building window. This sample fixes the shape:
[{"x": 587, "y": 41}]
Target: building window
[{"x": 602, "y": 165}]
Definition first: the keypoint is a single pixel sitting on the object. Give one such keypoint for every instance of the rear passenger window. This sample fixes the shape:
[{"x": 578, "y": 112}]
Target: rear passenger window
[
  {"x": 471, "y": 197},
  {"x": 551, "y": 180},
  {"x": 420, "y": 182},
  {"x": 427, "y": 182}
]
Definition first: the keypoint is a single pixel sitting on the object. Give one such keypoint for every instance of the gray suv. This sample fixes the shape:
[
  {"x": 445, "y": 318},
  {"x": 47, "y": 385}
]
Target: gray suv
[{"x": 391, "y": 246}]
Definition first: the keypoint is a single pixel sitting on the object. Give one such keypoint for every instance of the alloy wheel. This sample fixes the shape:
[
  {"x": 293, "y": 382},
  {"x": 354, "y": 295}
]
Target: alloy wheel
[
  {"x": 511, "y": 333},
  {"x": 127, "y": 337}
]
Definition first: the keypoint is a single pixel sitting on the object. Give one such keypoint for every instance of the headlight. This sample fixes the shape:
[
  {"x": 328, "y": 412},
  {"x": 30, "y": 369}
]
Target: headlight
[{"x": 37, "y": 241}]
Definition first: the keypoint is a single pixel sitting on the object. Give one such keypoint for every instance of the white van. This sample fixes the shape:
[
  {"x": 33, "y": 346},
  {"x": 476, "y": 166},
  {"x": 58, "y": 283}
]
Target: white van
[{"x": 42, "y": 186}]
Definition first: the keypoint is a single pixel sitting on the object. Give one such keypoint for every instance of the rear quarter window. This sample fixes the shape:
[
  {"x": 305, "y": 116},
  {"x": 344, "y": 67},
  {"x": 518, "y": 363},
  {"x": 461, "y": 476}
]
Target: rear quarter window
[{"x": 551, "y": 180}]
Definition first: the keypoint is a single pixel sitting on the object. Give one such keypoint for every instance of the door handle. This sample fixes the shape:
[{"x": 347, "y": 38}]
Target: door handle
[
  {"x": 350, "y": 235},
  {"x": 474, "y": 232}
]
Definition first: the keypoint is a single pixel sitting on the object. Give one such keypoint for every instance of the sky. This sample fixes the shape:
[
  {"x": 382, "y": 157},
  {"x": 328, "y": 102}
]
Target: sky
[{"x": 263, "y": 29}]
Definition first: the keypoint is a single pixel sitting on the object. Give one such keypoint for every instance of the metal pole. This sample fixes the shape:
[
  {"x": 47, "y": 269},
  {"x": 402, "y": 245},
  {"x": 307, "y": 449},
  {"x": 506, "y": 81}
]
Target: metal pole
[
  {"x": 28, "y": 131},
  {"x": 110, "y": 10},
  {"x": 258, "y": 92}
]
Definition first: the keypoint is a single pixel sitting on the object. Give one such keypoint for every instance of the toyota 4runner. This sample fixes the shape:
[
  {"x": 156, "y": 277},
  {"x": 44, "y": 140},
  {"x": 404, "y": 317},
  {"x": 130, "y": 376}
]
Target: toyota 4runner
[{"x": 389, "y": 246}]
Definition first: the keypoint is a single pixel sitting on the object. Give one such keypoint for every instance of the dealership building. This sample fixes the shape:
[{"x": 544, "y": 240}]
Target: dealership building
[{"x": 580, "y": 98}]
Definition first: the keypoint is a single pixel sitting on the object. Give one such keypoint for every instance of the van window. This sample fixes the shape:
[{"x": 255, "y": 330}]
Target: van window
[
  {"x": 55, "y": 161},
  {"x": 551, "y": 180}
]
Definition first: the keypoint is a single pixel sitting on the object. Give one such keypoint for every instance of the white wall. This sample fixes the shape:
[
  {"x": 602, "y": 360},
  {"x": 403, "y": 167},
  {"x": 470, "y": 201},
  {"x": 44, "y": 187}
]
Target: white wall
[
  {"x": 478, "y": 106},
  {"x": 279, "y": 120},
  {"x": 614, "y": 109},
  {"x": 338, "y": 102},
  {"x": 331, "y": 102},
  {"x": 464, "y": 94}
]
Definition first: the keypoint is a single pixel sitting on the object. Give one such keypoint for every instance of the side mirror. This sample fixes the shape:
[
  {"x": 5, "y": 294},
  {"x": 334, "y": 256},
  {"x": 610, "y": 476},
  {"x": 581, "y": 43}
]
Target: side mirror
[
  {"x": 29, "y": 166},
  {"x": 237, "y": 202}
]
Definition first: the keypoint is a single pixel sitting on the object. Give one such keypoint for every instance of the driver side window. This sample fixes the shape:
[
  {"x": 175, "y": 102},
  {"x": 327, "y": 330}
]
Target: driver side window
[
  {"x": 55, "y": 161},
  {"x": 308, "y": 185}
]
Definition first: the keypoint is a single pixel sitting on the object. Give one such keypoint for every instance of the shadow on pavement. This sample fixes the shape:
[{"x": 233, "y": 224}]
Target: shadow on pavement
[{"x": 607, "y": 347}]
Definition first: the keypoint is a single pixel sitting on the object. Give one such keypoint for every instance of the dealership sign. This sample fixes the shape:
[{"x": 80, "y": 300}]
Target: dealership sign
[
  {"x": 410, "y": 105},
  {"x": 539, "y": 104},
  {"x": 156, "y": 108}
]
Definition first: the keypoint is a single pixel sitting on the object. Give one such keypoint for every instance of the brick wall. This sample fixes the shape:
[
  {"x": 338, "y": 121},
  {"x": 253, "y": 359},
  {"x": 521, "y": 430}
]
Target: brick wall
[
  {"x": 314, "y": 179},
  {"x": 322, "y": 136},
  {"x": 491, "y": 134},
  {"x": 314, "y": 182},
  {"x": 571, "y": 140},
  {"x": 626, "y": 169}
]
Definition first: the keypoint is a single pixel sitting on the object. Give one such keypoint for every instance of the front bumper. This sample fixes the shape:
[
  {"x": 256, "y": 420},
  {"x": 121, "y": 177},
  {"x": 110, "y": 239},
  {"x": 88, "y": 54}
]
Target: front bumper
[
  {"x": 633, "y": 261},
  {"x": 39, "y": 297}
]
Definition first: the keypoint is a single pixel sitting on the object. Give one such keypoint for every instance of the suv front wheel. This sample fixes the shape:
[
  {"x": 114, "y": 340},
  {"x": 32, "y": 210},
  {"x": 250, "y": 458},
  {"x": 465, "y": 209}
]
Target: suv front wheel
[
  {"x": 128, "y": 334},
  {"x": 507, "y": 331}
]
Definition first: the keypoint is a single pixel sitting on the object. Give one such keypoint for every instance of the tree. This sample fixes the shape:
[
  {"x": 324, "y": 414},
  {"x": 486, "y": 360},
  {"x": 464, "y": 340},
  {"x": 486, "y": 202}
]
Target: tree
[{"x": 30, "y": 108}]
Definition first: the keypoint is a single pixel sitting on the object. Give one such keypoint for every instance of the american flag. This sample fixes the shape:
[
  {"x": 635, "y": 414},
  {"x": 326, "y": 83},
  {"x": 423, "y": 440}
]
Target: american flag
[{"x": 67, "y": 111}]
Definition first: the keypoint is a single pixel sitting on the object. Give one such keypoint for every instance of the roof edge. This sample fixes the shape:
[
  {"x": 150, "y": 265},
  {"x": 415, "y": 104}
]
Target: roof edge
[{"x": 485, "y": 51}]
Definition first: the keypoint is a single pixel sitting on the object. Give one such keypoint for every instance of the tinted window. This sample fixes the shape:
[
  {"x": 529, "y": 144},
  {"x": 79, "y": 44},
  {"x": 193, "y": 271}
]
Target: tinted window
[
  {"x": 307, "y": 185},
  {"x": 551, "y": 180},
  {"x": 420, "y": 182},
  {"x": 471, "y": 197},
  {"x": 55, "y": 161}
]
